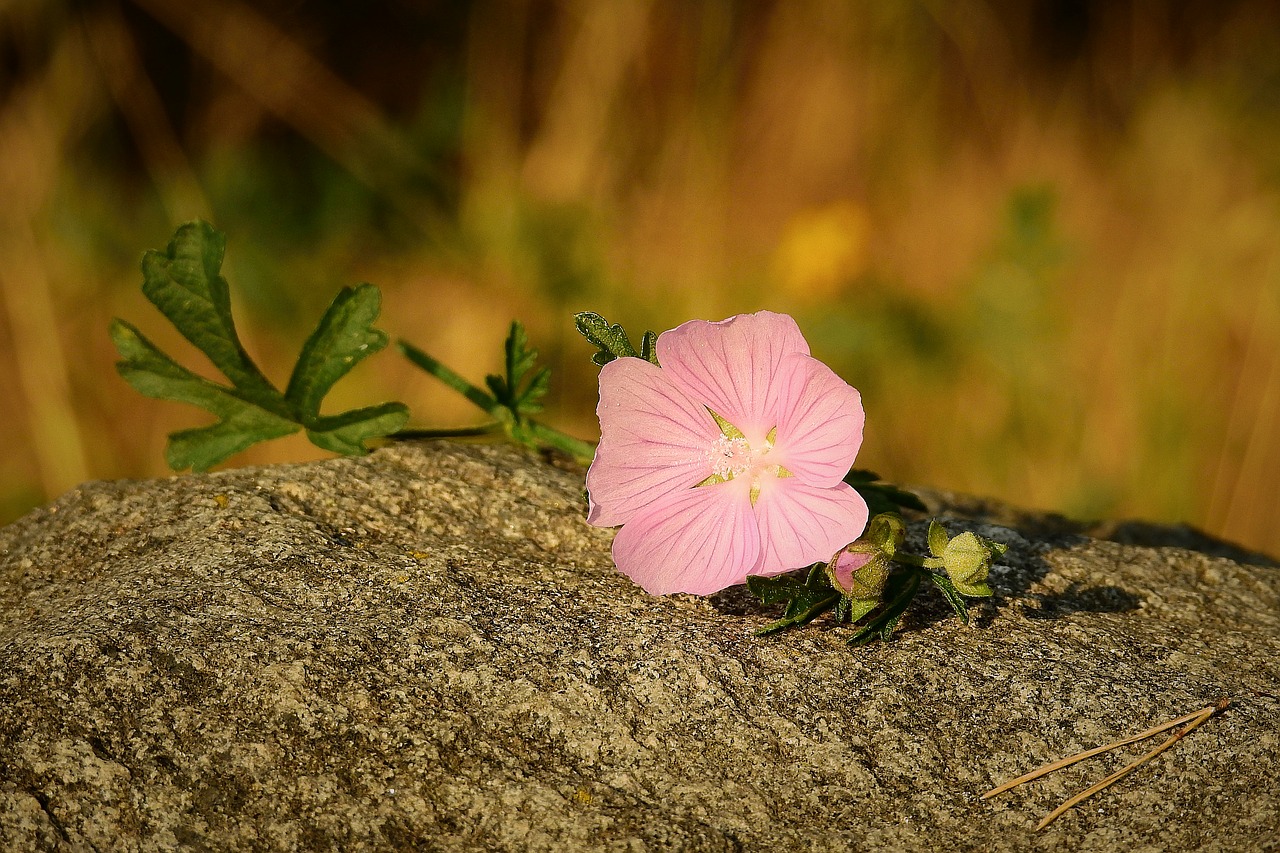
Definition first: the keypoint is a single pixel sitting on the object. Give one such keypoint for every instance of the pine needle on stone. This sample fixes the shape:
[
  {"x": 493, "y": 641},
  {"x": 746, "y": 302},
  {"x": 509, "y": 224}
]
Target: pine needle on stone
[{"x": 1189, "y": 722}]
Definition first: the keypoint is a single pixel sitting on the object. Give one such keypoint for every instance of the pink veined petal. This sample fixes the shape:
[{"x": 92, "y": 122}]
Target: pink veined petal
[
  {"x": 820, "y": 423},
  {"x": 802, "y": 524},
  {"x": 697, "y": 540},
  {"x": 732, "y": 366},
  {"x": 654, "y": 441}
]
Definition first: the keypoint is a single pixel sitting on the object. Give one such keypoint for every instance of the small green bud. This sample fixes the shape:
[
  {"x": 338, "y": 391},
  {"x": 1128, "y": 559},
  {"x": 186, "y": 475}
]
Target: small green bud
[
  {"x": 967, "y": 559},
  {"x": 886, "y": 533}
]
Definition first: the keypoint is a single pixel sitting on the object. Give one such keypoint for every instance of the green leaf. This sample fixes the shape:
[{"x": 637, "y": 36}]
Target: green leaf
[
  {"x": 882, "y": 497},
  {"x": 951, "y": 594},
  {"x": 203, "y": 447},
  {"x": 612, "y": 341},
  {"x": 446, "y": 375},
  {"x": 186, "y": 284},
  {"x": 346, "y": 433},
  {"x": 342, "y": 339},
  {"x": 241, "y": 422},
  {"x": 898, "y": 592},
  {"x": 514, "y": 396},
  {"x": 523, "y": 388},
  {"x": 806, "y": 599}
]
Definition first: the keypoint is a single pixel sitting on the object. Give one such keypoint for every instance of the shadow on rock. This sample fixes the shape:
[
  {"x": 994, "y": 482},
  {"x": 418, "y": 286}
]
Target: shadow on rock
[{"x": 1078, "y": 598}]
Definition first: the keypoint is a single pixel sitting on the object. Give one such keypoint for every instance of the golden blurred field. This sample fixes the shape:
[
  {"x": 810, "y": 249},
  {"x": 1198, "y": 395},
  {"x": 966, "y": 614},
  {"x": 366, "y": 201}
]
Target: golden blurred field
[{"x": 1042, "y": 238}]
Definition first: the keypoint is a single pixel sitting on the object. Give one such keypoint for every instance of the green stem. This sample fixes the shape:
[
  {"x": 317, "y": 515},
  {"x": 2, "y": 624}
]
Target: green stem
[
  {"x": 514, "y": 424},
  {"x": 453, "y": 380},
  {"x": 448, "y": 432},
  {"x": 582, "y": 451},
  {"x": 917, "y": 561}
]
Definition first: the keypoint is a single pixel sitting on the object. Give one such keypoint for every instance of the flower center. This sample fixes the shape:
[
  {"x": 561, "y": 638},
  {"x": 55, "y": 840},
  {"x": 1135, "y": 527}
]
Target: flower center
[{"x": 731, "y": 457}]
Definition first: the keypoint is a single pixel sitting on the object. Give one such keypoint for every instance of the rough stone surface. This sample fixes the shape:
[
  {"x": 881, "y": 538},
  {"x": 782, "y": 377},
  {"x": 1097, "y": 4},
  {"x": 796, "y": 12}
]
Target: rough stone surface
[{"x": 428, "y": 649}]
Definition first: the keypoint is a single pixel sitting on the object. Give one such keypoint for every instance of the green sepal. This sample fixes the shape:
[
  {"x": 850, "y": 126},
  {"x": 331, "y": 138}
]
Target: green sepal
[
  {"x": 649, "y": 347},
  {"x": 882, "y": 497},
  {"x": 886, "y": 532},
  {"x": 856, "y": 608},
  {"x": 727, "y": 429},
  {"x": 938, "y": 538},
  {"x": 967, "y": 559},
  {"x": 978, "y": 590},
  {"x": 806, "y": 599}
]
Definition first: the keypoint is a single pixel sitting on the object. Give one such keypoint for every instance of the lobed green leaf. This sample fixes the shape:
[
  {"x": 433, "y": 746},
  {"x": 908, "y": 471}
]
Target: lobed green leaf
[
  {"x": 612, "y": 341},
  {"x": 342, "y": 339},
  {"x": 899, "y": 592},
  {"x": 806, "y": 599},
  {"x": 951, "y": 594},
  {"x": 346, "y": 433},
  {"x": 185, "y": 283}
]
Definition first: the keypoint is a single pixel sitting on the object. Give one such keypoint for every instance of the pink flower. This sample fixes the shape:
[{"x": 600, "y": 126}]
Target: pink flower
[{"x": 728, "y": 460}]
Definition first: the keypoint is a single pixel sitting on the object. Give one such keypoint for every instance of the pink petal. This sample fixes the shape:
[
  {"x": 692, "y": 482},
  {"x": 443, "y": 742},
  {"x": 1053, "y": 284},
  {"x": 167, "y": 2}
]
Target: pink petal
[
  {"x": 654, "y": 441},
  {"x": 732, "y": 366},
  {"x": 801, "y": 524},
  {"x": 848, "y": 562},
  {"x": 820, "y": 423},
  {"x": 697, "y": 540}
]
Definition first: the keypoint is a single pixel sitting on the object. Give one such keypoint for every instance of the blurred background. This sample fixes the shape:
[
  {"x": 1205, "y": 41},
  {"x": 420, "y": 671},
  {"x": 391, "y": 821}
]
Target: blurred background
[{"x": 1042, "y": 238}]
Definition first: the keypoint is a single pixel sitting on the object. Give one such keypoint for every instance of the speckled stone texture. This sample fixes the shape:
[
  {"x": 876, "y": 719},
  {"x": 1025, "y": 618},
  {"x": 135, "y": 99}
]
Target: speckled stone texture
[{"x": 429, "y": 649}]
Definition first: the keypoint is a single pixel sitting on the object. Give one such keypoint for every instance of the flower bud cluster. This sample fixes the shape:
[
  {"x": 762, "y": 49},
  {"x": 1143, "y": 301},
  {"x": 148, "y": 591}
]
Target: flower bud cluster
[{"x": 861, "y": 571}]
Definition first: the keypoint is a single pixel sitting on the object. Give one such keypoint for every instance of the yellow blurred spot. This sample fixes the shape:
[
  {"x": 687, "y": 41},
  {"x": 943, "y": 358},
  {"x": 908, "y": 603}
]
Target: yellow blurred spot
[
  {"x": 221, "y": 501},
  {"x": 822, "y": 249},
  {"x": 583, "y": 797},
  {"x": 402, "y": 578},
  {"x": 419, "y": 555}
]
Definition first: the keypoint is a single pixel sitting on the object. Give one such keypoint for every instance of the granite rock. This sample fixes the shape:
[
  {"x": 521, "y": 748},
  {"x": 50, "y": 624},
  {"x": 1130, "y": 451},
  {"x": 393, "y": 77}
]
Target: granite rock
[{"x": 428, "y": 648}]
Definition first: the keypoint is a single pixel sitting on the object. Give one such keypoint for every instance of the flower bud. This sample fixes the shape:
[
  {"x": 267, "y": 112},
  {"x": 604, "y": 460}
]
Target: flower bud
[
  {"x": 967, "y": 560},
  {"x": 859, "y": 572},
  {"x": 885, "y": 533}
]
